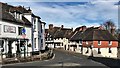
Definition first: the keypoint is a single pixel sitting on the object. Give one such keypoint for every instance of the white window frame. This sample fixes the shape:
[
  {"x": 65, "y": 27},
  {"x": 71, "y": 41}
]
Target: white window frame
[
  {"x": 35, "y": 43},
  {"x": 35, "y": 26},
  {"x": 86, "y": 42},
  {"x": 80, "y": 42},
  {"x": 0, "y": 29},
  {"x": 110, "y": 42},
  {"x": 98, "y": 42}
]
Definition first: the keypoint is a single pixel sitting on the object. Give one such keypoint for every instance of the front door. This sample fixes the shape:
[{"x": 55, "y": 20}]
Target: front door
[
  {"x": 65, "y": 47},
  {"x": 9, "y": 49}
]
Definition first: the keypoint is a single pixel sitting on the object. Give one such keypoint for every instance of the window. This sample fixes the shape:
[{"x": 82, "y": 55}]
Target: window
[
  {"x": 87, "y": 50},
  {"x": 99, "y": 42},
  {"x": 34, "y": 23},
  {"x": 35, "y": 42},
  {"x": 20, "y": 30},
  {"x": 80, "y": 42},
  {"x": 86, "y": 42},
  {"x": 99, "y": 51},
  {"x": 110, "y": 42},
  {"x": 18, "y": 16},
  {"x": 41, "y": 28},
  {"x": 41, "y": 40},
  {"x": 110, "y": 50},
  {"x": 0, "y": 29}
]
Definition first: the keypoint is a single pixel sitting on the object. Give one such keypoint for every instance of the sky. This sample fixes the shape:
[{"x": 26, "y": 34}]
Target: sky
[{"x": 72, "y": 13}]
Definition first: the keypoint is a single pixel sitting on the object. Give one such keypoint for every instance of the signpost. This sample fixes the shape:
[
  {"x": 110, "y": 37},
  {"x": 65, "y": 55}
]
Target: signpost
[{"x": 24, "y": 35}]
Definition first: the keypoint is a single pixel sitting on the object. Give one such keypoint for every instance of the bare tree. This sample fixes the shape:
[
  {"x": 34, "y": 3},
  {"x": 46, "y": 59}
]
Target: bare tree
[{"x": 110, "y": 26}]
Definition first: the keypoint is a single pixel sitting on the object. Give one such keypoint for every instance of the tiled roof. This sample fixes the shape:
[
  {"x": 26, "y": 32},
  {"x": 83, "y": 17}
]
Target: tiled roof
[
  {"x": 91, "y": 34},
  {"x": 51, "y": 31},
  {"x": 19, "y": 9},
  {"x": 6, "y": 16},
  {"x": 58, "y": 32}
]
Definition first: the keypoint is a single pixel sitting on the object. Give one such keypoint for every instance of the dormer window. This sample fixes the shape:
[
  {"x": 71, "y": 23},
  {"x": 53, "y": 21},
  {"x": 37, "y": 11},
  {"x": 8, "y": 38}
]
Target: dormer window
[
  {"x": 110, "y": 42},
  {"x": 99, "y": 42},
  {"x": 18, "y": 16},
  {"x": 80, "y": 42},
  {"x": 86, "y": 42}
]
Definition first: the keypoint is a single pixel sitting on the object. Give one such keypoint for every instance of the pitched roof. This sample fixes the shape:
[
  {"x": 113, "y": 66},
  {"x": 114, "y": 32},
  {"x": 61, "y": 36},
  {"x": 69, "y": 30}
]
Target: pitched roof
[
  {"x": 6, "y": 16},
  {"x": 58, "y": 32},
  {"x": 91, "y": 34},
  {"x": 19, "y": 9},
  {"x": 52, "y": 31}
]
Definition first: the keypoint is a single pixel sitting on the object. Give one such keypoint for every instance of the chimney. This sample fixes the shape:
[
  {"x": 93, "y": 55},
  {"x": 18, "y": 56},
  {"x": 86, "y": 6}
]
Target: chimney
[
  {"x": 29, "y": 10},
  {"x": 83, "y": 28},
  {"x": 72, "y": 29},
  {"x": 62, "y": 26},
  {"x": 50, "y": 26},
  {"x": 113, "y": 31},
  {"x": 101, "y": 27}
]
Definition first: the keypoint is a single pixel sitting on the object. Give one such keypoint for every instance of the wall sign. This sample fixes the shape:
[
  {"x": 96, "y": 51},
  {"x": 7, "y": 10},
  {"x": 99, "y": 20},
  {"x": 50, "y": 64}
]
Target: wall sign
[{"x": 9, "y": 29}]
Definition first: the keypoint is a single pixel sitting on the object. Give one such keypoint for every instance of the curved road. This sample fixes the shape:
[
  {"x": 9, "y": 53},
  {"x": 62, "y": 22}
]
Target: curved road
[{"x": 62, "y": 58}]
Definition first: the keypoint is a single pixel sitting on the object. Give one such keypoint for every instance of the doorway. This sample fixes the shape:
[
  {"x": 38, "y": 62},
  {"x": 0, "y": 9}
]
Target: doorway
[{"x": 10, "y": 49}]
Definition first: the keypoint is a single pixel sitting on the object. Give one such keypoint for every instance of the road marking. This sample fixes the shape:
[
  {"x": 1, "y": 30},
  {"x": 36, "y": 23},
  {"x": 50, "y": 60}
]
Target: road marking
[{"x": 65, "y": 64}]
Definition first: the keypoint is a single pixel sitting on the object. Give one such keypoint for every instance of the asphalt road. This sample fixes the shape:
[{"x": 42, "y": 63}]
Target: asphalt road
[{"x": 61, "y": 59}]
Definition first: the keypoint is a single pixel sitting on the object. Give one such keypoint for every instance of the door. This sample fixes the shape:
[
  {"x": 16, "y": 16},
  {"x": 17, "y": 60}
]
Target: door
[
  {"x": 65, "y": 47},
  {"x": 9, "y": 49}
]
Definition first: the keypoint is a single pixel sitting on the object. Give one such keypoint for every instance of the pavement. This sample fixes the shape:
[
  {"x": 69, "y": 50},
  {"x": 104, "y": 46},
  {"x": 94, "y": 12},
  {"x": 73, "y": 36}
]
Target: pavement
[{"x": 61, "y": 59}]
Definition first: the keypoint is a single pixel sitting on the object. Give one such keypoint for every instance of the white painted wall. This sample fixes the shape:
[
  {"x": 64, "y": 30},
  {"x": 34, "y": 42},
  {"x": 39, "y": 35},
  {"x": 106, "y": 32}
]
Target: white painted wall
[
  {"x": 104, "y": 52},
  {"x": 84, "y": 51},
  {"x": 43, "y": 36},
  {"x": 37, "y": 34},
  {"x": 14, "y": 35}
]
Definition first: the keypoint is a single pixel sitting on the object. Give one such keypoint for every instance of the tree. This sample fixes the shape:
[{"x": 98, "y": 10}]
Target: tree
[{"x": 110, "y": 26}]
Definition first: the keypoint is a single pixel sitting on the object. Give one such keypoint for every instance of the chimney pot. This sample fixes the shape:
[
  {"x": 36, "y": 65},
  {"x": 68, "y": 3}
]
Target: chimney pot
[
  {"x": 62, "y": 26},
  {"x": 50, "y": 26},
  {"x": 83, "y": 28}
]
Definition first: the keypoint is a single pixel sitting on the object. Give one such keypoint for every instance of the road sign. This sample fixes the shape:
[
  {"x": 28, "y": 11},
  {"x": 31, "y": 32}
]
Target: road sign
[{"x": 23, "y": 30}]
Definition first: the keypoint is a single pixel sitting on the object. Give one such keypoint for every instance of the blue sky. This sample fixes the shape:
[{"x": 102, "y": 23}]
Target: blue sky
[{"x": 72, "y": 13}]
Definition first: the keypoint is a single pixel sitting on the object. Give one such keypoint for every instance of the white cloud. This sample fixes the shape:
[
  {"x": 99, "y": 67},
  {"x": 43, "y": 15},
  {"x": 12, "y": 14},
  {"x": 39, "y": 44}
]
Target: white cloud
[
  {"x": 92, "y": 13},
  {"x": 44, "y": 0}
]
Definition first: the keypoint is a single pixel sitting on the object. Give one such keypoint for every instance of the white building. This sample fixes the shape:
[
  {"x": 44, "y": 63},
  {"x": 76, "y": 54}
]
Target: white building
[
  {"x": 15, "y": 33},
  {"x": 38, "y": 30},
  {"x": 20, "y": 31},
  {"x": 57, "y": 37}
]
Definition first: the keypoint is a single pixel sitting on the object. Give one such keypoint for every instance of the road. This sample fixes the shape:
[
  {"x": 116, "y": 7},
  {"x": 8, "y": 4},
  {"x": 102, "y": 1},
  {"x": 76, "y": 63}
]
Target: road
[{"x": 61, "y": 59}]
